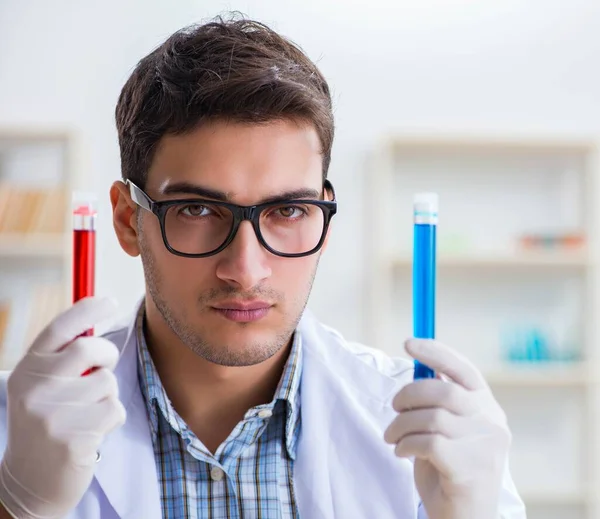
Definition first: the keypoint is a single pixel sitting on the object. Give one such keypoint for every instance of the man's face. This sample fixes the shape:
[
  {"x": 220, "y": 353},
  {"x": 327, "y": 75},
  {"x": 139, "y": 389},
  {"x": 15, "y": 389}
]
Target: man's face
[{"x": 200, "y": 298}]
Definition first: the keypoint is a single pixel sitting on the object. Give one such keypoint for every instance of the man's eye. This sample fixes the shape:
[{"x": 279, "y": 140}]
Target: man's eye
[
  {"x": 290, "y": 211},
  {"x": 194, "y": 210}
]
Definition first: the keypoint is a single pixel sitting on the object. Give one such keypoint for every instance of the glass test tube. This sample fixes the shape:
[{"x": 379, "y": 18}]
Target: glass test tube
[
  {"x": 84, "y": 247},
  {"x": 425, "y": 218}
]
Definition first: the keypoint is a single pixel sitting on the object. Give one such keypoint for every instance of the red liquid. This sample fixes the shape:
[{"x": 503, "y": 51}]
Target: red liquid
[{"x": 84, "y": 256}]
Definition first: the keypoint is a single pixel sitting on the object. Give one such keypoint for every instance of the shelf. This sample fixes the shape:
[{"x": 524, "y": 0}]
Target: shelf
[
  {"x": 36, "y": 135},
  {"x": 553, "y": 497},
  {"x": 476, "y": 143},
  {"x": 499, "y": 260},
  {"x": 541, "y": 375},
  {"x": 32, "y": 245}
]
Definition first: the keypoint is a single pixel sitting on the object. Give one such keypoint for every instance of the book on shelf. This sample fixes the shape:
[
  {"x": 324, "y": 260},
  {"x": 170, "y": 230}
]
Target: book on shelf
[
  {"x": 48, "y": 302},
  {"x": 27, "y": 210}
]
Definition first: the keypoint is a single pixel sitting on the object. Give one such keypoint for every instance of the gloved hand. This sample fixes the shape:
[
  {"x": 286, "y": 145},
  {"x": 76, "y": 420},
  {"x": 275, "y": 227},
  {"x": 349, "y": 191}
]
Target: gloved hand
[
  {"x": 456, "y": 432},
  {"x": 57, "y": 418}
]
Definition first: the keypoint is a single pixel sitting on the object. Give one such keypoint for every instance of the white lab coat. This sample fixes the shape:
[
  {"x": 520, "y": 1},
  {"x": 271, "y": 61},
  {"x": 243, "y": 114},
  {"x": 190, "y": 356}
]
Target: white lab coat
[{"x": 344, "y": 469}]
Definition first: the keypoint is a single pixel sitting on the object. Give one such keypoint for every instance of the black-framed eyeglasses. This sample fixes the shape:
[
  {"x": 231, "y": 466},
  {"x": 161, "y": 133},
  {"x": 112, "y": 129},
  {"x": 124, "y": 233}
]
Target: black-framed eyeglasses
[{"x": 198, "y": 227}]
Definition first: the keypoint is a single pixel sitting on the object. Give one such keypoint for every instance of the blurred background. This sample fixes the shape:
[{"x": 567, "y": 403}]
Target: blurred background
[{"x": 494, "y": 105}]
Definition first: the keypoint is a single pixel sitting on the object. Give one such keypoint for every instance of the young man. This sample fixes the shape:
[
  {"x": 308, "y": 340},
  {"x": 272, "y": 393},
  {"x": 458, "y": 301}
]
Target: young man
[{"x": 238, "y": 402}]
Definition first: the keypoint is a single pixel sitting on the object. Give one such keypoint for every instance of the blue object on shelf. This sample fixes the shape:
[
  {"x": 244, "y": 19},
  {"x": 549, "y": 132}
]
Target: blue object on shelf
[
  {"x": 537, "y": 346},
  {"x": 511, "y": 344},
  {"x": 527, "y": 344}
]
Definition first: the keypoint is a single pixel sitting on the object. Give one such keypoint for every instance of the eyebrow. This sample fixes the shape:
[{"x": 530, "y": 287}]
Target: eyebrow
[{"x": 186, "y": 188}]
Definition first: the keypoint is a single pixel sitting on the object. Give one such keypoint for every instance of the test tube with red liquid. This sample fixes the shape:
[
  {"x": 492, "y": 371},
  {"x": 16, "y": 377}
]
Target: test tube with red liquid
[{"x": 84, "y": 249}]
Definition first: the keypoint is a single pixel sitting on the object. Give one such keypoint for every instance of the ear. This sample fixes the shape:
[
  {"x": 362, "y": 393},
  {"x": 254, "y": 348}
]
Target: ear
[
  {"x": 329, "y": 195},
  {"x": 124, "y": 218}
]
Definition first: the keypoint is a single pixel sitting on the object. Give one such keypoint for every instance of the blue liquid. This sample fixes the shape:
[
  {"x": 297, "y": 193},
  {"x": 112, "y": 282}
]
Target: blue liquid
[{"x": 424, "y": 281}]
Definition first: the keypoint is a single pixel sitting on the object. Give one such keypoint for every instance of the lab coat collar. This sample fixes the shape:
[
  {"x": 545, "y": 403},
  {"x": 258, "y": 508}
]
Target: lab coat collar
[{"x": 128, "y": 451}]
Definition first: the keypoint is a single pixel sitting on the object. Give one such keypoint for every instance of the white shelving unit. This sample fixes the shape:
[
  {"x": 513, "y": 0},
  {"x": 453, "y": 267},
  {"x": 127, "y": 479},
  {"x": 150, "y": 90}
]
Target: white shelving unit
[
  {"x": 35, "y": 267},
  {"x": 32, "y": 246},
  {"x": 492, "y": 192}
]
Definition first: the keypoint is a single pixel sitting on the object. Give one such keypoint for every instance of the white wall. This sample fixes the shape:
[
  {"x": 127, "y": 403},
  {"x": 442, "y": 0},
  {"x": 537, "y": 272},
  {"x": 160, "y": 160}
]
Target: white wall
[{"x": 502, "y": 66}]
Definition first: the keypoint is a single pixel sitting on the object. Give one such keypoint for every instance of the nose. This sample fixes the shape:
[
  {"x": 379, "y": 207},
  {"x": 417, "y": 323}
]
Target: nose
[{"x": 244, "y": 263}]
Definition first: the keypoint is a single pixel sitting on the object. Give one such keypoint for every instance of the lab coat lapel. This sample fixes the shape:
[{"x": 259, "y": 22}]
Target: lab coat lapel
[
  {"x": 343, "y": 466},
  {"x": 127, "y": 470}
]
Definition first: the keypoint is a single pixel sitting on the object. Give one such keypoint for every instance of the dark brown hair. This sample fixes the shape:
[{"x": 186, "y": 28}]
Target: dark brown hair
[{"x": 234, "y": 69}]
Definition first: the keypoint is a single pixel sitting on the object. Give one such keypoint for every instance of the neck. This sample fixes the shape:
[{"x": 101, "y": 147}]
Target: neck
[{"x": 210, "y": 398}]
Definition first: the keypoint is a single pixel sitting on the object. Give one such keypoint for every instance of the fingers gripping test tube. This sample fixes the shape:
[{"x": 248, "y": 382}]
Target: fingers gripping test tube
[
  {"x": 425, "y": 219},
  {"x": 84, "y": 249}
]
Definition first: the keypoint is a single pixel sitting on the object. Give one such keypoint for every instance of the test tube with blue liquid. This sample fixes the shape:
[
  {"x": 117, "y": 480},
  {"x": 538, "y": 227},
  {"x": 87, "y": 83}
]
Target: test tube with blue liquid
[{"x": 425, "y": 219}]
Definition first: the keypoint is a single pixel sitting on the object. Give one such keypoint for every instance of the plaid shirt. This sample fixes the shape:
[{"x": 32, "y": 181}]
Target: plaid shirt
[{"x": 251, "y": 473}]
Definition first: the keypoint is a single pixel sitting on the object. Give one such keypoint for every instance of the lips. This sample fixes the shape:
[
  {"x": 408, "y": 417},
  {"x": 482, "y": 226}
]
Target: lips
[
  {"x": 243, "y": 311},
  {"x": 242, "y": 305}
]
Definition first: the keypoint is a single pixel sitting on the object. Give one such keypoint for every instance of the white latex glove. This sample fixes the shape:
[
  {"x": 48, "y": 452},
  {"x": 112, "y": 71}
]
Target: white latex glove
[
  {"x": 57, "y": 418},
  {"x": 457, "y": 433}
]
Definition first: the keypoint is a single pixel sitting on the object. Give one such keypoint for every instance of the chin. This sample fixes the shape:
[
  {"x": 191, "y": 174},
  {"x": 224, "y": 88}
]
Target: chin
[
  {"x": 243, "y": 337},
  {"x": 241, "y": 348}
]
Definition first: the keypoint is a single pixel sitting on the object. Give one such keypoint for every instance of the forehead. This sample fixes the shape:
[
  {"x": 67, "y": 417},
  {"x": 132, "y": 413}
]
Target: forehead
[{"x": 248, "y": 162}]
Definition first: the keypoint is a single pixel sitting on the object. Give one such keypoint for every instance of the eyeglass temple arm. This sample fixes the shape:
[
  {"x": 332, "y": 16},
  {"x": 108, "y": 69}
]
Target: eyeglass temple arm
[{"x": 139, "y": 197}]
